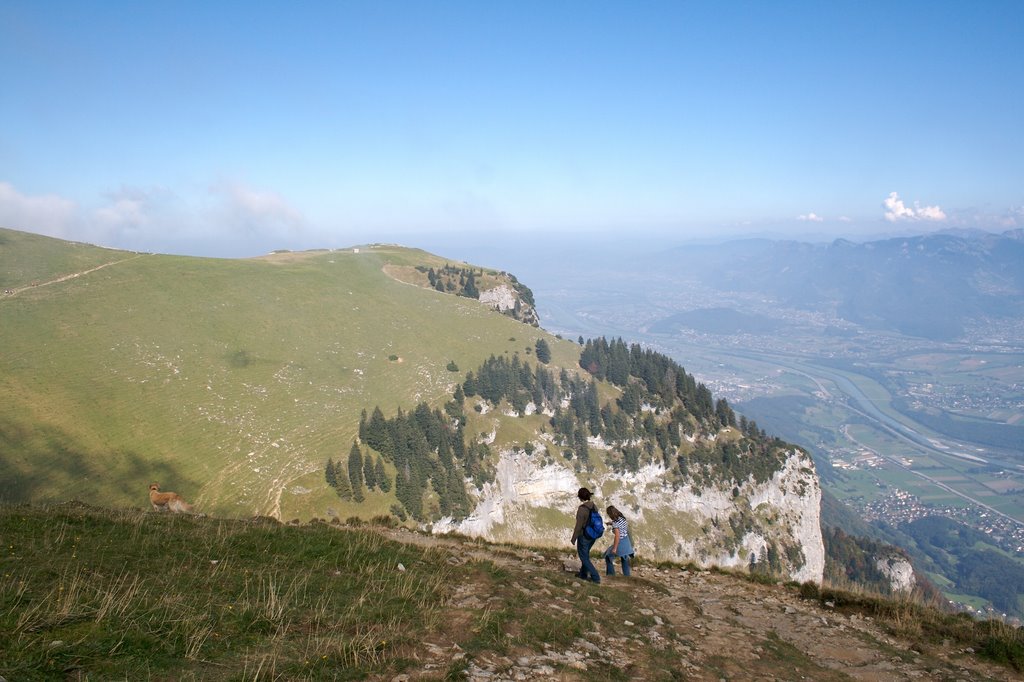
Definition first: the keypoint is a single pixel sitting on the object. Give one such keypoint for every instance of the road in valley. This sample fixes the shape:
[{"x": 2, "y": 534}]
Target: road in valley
[
  {"x": 903, "y": 428},
  {"x": 939, "y": 484}
]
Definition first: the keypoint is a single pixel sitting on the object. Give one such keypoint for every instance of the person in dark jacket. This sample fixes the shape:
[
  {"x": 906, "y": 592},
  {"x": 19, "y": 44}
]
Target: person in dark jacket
[{"x": 580, "y": 539}]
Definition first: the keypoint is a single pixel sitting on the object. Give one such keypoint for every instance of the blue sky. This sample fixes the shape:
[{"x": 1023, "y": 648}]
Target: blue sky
[{"x": 232, "y": 128}]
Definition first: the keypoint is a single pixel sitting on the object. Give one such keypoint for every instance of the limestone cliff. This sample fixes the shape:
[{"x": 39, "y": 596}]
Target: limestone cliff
[
  {"x": 511, "y": 299},
  {"x": 898, "y": 571},
  {"x": 751, "y": 524}
]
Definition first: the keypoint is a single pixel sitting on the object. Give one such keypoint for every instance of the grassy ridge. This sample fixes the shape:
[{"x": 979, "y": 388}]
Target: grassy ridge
[
  {"x": 90, "y": 593},
  {"x": 131, "y": 595},
  {"x": 31, "y": 259},
  {"x": 230, "y": 381},
  {"x": 124, "y": 594}
]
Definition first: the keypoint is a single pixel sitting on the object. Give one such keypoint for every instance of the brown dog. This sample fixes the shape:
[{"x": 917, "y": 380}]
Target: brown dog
[{"x": 167, "y": 501}]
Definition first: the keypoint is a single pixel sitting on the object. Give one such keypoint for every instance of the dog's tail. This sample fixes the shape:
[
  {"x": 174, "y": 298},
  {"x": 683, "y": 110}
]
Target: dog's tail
[{"x": 180, "y": 506}]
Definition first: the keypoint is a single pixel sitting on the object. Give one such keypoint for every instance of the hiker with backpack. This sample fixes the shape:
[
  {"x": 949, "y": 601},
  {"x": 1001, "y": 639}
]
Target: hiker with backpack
[
  {"x": 622, "y": 546},
  {"x": 589, "y": 527}
]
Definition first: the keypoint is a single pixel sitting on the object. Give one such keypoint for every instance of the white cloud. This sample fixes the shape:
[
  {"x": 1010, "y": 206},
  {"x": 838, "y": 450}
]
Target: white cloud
[
  {"x": 896, "y": 210},
  {"x": 930, "y": 213},
  {"x": 253, "y": 211},
  {"x": 810, "y": 217},
  {"x": 142, "y": 219},
  {"x": 231, "y": 219},
  {"x": 132, "y": 208},
  {"x": 845, "y": 219},
  {"x": 47, "y": 214},
  {"x": 123, "y": 211}
]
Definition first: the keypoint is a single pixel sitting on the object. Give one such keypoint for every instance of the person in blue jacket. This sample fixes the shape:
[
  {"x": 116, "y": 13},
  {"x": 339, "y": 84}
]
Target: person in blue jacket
[
  {"x": 622, "y": 546},
  {"x": 579, "y": 538}
]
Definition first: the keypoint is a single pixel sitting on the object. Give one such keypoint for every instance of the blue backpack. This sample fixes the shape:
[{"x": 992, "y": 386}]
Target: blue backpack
[{"x": 595, "y": 525}]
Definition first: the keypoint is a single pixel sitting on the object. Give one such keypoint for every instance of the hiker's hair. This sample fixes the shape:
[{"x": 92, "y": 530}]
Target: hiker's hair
[
  {"x": 584, "y": 494},
  {"x": 614, "y": 513}
]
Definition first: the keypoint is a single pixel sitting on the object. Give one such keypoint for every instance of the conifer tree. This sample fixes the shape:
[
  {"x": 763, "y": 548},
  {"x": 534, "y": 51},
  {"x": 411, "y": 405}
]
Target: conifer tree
[
  {"x": 377, "y": 432},
  {"x": 355, "y": 472},
  {"x": 456, "y": 493},
  {"x": 382, "y": 476},
  {"x": 369, "y": 473},
  {"x": 469, "y": 385},
  {"x": 409, "y": 493},
  {"x": 581, "y": 447},
  {"x": 704, "y": 407},
  {"x": 341, "y": 483},
  {"x": 543, "y": 351},
  {"x": 330, "y": 475},
  {"x": 469, "y": 288},
  {"x": 459, "y": 445},
  {"x": 593, "y": 409}
]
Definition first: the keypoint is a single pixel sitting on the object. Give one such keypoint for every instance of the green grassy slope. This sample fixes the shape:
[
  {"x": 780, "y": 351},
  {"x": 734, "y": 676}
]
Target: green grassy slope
[
  {"x": 30, "y": 259},
  {"x": 229, "y": 381},
  {"x": 92, "y": 593}
]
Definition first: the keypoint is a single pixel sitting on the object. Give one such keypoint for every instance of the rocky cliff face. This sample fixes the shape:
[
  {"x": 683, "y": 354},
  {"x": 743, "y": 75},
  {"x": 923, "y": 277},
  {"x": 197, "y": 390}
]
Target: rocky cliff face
[
  {"x": 775, "y": 523},
  {"x": 509, "y": 300},
  {"x": 898, "y": 571},
  {"x": 501, "y": 298}
]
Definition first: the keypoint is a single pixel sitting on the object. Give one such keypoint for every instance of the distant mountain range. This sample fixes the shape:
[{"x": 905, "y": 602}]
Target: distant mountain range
[{"x": 931, "y": 286}]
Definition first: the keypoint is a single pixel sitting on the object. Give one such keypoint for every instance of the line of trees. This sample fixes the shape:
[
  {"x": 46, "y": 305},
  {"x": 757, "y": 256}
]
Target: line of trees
[
  {"x": 451, "y": 279},
  {"x": 362, "y": 472},
  {"x": 662, "y": 379},
  {"x": 662, "y": 414},
  {"x": 660, "y": 404},
  {"x": 431, "y": 458}
]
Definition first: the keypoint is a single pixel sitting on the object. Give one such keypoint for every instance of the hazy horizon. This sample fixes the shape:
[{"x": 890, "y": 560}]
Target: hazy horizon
[{"x": 231, "y": 130}]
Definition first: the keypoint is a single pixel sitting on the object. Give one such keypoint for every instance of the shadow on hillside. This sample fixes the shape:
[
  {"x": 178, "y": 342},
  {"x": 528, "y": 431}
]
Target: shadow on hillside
[{"x": 42, "y": 463}]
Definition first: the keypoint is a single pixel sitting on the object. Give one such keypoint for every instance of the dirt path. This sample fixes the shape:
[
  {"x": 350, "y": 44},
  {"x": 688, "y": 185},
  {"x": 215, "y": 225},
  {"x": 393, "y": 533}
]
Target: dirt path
[
  {"x": 718, "y": 626},
  {"x": 73, "y": 275}
]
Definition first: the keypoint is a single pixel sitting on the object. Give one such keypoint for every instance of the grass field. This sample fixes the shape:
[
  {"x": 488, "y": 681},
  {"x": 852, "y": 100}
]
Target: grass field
[
  {"x": 136, "y": 596},
  {"x": 228, "y": 381},
  {"x": 92, "y": 593}
]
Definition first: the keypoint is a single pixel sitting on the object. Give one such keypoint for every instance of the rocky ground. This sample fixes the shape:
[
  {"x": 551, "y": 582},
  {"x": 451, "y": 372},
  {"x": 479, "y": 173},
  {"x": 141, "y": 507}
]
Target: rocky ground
[{"x": 662, "y": 623}]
